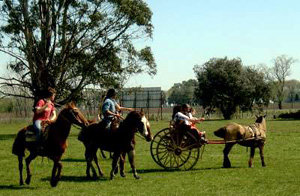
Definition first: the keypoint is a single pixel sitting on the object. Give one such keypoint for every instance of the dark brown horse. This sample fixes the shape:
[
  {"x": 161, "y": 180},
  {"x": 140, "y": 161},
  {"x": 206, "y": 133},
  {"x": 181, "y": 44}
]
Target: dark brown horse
[
  {"x": 119, "y": 141},
  {"x": 54, "y": 145},
  {"x": 251, "y": 136}
]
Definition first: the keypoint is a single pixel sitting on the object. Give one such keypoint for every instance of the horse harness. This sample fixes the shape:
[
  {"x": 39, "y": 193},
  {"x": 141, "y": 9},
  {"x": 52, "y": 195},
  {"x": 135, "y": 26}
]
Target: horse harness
[
  {"x": 253, "y": 130},
  {"x": 255, "y": 133}
]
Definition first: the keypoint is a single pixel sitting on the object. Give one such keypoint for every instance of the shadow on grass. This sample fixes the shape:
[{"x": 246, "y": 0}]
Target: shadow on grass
[
  {"x": 73, "y": 160},
  {"x": 141, "y": 171},
  {"x": 14, "y": 187},
  {"x": 7, "y": 136},
  {"x": 78, "y": 179}
]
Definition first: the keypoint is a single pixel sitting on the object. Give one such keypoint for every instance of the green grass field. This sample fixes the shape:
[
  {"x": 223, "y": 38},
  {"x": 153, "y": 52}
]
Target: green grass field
[{"x": 280, "y": 177}]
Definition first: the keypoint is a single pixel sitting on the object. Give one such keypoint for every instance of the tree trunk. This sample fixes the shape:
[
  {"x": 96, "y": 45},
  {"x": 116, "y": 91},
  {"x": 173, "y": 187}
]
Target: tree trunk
[{"x": 280, "y": 105}]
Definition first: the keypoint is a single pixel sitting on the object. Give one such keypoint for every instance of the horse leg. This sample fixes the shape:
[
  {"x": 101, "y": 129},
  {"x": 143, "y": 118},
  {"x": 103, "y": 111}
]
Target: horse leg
[
  {"x": 88, "y": 162},
  {"x": 261, "y": 152},
  {"x": 116, "y": 157},
  {"x": 28, "y": 160},
  {"x": 252, "y": 151},
  {"x": 226, "y": 162},
  {"x": 103, "y": 154},
  {"x": 131, "y": 156},
  {"x": 122, "y": 164},
  {"x": 89, "y": 156},
  {"x": 93, "y": 155},
  {"x": 56, "y": 172},
  {"x": 98, "y": 166},
  {"x": 20, "y": 159}
]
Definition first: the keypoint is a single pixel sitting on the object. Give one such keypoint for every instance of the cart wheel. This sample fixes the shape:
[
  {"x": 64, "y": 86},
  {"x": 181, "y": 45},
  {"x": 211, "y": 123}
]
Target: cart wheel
[
  {"x": 155, "y": 142},
  {"x": 189, "y": 150},
  {"x": 178, "y": 150}
]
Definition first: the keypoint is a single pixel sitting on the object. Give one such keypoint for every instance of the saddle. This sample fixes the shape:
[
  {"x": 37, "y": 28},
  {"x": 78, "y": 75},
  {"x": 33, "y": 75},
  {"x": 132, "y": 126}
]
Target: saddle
[
  {"x": 109, "y": 128},
  {"x": 113, "y": 125},
  {"x": 30, "y": 134}
]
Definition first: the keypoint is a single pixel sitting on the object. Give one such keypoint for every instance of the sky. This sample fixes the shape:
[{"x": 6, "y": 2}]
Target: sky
[{"x": 190, "y": 32}]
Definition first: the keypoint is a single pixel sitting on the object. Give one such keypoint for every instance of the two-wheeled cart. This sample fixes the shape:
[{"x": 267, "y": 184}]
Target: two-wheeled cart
[{"x": 172, "y": 148}]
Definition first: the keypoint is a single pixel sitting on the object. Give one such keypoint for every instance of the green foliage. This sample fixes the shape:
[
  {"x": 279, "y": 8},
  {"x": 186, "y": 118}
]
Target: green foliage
[
  {"x": 181, "y": 93},
  {"x": 72, "y": 44},
  {"x": 6, "y": 105},
  {"x": 280, "y": 177},
  {"x": 227, "y": 85}
]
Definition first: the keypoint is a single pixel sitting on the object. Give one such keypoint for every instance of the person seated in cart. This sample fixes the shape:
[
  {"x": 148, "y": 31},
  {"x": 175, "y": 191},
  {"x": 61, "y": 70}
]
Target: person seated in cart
[{"x": 185, "y": 115}]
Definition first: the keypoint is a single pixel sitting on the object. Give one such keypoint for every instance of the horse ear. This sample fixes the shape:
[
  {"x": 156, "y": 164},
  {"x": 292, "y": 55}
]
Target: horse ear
[
  {"x": 142, "y": 110},
  {"x": 265, "y": 116},
  {"x": 73, "y": 104}
]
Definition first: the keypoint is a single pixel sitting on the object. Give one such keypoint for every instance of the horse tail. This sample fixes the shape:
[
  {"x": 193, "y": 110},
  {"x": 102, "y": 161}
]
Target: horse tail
[
  {"x": 18, "y": 147},
  {"x": 221, "y": 132}
]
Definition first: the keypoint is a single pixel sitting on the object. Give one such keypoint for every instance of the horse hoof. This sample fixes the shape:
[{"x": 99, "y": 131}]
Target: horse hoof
[
  {"x": 116, "y": 171},
  {"x": 122, "y": 175},
  {"x": 226, "y": 166},
  {"x": 101, "y": 174},
  {"x": 21, "y": 183},
  {"x": 112, "y": 176},
  {"x": 53, "y": 183},
  {"x": 264, "y": 165},
  {"x": 95, "y": 177},
  {"x": 137, "y": 177},
  {"x": 28, "y": 179}
]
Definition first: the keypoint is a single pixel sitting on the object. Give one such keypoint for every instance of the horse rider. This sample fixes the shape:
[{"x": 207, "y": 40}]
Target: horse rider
[
  {"x": 110, "y": 108},
  {"x": 186, "y": 115},
  {"x": 44, "y": 110}
]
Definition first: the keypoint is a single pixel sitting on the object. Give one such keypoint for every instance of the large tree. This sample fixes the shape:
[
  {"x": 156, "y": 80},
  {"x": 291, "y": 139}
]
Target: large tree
[
  {"x": 225, "y": 84},
  {"x": 181, "y": 93},
  {"x": 280, "y": 71},
  {"x": 70, "y": 44}
]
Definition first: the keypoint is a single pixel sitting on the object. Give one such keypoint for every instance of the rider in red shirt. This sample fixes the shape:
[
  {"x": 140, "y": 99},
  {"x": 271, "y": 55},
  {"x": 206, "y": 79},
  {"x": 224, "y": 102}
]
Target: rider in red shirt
[{"x": 44, "y": 111}]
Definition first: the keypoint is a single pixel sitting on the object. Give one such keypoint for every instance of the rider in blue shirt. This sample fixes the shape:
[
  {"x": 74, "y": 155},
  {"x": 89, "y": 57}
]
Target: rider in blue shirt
[{"x": 110, "y": 108}]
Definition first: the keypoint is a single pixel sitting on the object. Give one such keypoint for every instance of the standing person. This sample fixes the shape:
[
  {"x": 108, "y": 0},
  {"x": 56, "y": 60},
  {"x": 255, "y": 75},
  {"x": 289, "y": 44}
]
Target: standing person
[
  {"x": 44, "y": 110},
  {"x": 110, "y": 108}
]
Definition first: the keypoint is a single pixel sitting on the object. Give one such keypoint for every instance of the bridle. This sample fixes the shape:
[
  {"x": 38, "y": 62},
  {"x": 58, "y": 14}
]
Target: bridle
[{"x": 69, "y": 121}]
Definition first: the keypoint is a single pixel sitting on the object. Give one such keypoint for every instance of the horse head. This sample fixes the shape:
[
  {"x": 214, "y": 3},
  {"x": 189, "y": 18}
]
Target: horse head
[
  {"x": 141, "y": 124},
  {"x": 261, "y": 121},
  {"x": 74, "y": 115}
]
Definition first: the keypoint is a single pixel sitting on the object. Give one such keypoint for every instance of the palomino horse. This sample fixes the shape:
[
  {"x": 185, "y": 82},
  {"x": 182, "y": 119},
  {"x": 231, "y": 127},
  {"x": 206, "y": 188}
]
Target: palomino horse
[
  {"x": 119, "y": 141},
  {"x": 251, "y": 136},
  {"x": 54, "y": 145}
]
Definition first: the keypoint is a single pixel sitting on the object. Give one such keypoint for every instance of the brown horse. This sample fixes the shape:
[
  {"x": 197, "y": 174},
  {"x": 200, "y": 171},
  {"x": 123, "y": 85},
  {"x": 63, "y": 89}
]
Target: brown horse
[
  {"x": 119, "y": 141},
  {"x": 251, "y": 136},
  {"x": 54, "y": 145}
]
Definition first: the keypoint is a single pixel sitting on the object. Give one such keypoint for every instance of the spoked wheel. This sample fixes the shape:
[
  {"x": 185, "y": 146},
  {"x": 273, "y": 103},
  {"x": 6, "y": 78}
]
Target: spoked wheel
[
  {"x": 154, "y": 144},
  {"x": 178, "y": 150}
]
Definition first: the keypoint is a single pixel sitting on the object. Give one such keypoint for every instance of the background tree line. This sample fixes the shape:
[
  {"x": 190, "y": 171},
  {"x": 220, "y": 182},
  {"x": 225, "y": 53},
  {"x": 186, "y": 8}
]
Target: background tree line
[{"x": 228, "y": 85}]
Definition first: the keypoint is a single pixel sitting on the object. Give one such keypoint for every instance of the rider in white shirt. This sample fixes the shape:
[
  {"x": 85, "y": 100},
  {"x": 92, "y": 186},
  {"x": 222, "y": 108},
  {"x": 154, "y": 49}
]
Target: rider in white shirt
[{"x": 186, "y": 115}]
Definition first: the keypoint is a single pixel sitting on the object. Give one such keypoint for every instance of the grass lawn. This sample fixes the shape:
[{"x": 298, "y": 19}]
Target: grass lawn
[{"x": 280, "y": 177}]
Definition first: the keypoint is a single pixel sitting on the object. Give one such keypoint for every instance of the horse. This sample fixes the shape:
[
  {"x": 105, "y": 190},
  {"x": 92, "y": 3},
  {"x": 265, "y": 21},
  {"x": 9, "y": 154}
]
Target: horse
[
  {"x": 54, "y": 144},
  {"x": 252, "y": 136},
  {"x": 119, "y": 141}
]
